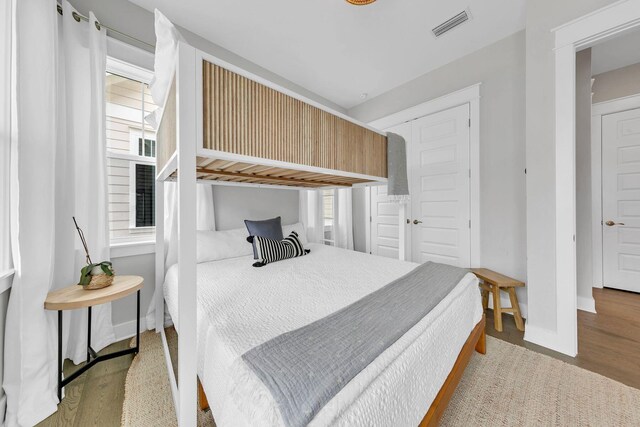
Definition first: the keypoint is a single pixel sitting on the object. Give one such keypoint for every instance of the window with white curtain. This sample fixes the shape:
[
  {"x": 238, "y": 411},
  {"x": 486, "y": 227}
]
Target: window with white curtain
[
  {"x": 131, "y": 153},
  {"x": 328, "y": 216}
]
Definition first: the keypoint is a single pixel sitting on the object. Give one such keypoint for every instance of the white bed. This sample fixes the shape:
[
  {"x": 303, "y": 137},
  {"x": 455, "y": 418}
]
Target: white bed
[{"x": 240, "y": 307}]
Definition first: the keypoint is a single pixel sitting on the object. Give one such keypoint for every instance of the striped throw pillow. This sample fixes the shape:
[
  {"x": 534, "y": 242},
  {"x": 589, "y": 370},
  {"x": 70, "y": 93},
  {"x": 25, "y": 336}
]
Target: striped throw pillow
[{"x": 271, "y": 250}]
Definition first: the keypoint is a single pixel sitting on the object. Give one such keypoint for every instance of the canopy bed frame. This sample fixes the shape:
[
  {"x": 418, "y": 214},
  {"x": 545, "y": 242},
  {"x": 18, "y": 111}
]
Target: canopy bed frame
[{"x": 222, "y": 124}]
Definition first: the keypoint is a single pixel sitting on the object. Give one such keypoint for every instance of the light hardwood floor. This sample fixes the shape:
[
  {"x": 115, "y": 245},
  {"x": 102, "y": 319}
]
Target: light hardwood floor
[{"x": 609, "y": 344}]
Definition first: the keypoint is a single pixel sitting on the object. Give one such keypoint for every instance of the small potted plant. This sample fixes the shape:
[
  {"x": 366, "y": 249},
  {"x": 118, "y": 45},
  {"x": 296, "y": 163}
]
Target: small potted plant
[{"x": 94, "y": 275}]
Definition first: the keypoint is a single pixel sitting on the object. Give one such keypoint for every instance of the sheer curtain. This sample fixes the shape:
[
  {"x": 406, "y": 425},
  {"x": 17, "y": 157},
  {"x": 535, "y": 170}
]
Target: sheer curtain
[
  {"x": 59, "y": 135},
  {"x": 311, "y": 211},
  {"x": 311, "y": 214},
  {"x": 343, "y": 218}
]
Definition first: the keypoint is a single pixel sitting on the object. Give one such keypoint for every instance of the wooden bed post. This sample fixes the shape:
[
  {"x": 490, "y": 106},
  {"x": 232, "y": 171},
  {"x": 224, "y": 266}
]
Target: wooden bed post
[{"x": 187, "y": 297}]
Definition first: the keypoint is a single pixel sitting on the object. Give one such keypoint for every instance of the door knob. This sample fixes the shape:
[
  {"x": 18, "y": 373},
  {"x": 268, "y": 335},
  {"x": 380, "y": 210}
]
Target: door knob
[
  {"x": 416, "y": 222},
  {"x": 611, "y": 223}
]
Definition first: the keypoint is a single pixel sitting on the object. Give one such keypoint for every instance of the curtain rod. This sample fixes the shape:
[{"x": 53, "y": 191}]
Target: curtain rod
[{"x": 79, "y": 18}]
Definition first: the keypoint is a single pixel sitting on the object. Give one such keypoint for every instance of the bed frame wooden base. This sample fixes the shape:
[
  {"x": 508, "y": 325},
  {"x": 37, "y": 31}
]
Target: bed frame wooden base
[{"x": 477, "y": 341}]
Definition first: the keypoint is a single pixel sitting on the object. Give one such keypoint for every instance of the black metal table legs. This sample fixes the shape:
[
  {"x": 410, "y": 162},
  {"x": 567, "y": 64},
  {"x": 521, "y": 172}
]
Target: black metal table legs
[{"x": 92, "y": 356}]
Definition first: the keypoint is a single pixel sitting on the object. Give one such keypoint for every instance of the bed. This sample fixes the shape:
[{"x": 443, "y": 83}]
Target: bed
[
  {"x": 222, "y": 125},
  {"x": 240, "y": 307}
]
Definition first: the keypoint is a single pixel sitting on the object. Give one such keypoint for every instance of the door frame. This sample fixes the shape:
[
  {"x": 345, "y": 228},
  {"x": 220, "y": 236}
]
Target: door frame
[
  {"x": 468, "y": 95},
  {"x": 599, "y": 110},
  {"x": 602, "y": 24}
]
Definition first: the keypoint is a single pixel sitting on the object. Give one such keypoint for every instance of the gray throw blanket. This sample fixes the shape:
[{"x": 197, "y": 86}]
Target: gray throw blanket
[
  {"x": 305, "y": 368},
  {"x": 398, "y": 184}
]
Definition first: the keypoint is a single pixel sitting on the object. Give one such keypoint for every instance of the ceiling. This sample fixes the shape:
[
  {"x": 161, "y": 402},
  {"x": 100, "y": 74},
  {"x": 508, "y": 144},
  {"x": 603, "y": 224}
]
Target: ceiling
[
  {"x": 616, "y": 53},
  {"x": 340, "y": 51}
]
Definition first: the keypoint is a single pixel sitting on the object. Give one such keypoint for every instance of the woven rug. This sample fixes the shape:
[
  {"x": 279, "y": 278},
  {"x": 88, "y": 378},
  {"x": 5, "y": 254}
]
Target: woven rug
[{"x": 509, "y": 386}]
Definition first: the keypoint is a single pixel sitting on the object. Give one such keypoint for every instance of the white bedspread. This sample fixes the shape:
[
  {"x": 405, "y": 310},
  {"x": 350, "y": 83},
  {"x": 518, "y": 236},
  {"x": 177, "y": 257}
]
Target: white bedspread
[{"x": 240, "y": 306}]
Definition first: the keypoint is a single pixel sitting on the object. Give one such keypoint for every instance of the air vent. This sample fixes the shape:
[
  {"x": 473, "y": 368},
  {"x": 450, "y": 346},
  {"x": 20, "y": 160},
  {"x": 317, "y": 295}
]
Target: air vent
[{"x": 450, "y": 24}]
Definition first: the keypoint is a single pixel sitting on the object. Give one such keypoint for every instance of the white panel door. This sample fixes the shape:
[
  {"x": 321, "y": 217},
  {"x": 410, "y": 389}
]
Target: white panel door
[
  {"x": 440, "y": 188},
  {"x": 385, "y": 223},
  {"x": 621, "y": 200}
]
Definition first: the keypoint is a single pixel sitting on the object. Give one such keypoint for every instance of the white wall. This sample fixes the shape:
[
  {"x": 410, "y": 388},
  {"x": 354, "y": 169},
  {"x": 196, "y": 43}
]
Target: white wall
[
  {"x": 235, "y": 204},
  {"x": 501, "y": 70},
  {"x": 542, "y": 17},
  {"x": 123, "y": 312},
  {"x": 584, "y": 242}
]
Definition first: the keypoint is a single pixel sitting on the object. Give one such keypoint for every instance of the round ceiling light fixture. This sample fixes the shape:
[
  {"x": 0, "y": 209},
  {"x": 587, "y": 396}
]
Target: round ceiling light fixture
[{"x": 360, "y": 2}]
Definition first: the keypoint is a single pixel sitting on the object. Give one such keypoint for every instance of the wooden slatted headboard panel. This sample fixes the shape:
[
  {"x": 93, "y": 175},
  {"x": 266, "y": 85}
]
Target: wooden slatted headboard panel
[{"x": 245, "y": 117}]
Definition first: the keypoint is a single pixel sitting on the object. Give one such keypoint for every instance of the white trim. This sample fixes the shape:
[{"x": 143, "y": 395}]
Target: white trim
[
  {"x": 367, "y": 210},
  {"x": 587, "y": 304},
  {"x": 125, "y": 330},
  {"x": 186, "y": 187},
  {"x": 469, "y": 95},
  {"x": 6, "y": 281},
  {"x": 585, "y": 31},
  {"x": 128, "y": 70},
  {"x": 445, "y": 102},
  {"x": 169, "y": 168},
  {"x": 7, "y": 273},
  {"x": 597, "y": 111},
  {"x": 598, "y": 25},
  {"x": 172, "y": 376},
  {"x": 200, "y": 55},
  {"x": 131, "y": 157},
  {"x": 402, "y": 232},
  {"x": 126, "y": 249},
  {"x": 160, "y": 261}
]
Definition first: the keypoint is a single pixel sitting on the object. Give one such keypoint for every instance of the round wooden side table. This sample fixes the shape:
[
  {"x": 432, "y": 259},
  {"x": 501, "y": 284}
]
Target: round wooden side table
[{"x": 75, "y": 297}]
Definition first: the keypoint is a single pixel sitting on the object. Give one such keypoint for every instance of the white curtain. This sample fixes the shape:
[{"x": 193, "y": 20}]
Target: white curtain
[
  {"x": 311, "y": 215},
  {"x": 205, "y": 217},
  {"x": 205, "y": 220},
  {"x": 343, "y": 218},
  {"x": 59, "y": 134}
]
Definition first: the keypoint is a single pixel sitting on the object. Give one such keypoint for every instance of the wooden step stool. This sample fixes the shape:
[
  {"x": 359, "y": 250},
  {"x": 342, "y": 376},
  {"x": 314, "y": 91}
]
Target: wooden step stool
[{"x": 494, "y": 282}]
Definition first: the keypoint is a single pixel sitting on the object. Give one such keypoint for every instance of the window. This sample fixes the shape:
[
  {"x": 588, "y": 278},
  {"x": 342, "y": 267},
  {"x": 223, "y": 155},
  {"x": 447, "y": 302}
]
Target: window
[
  {"x": 327, "y": 216},
  {"x": 131, "y": 154}
]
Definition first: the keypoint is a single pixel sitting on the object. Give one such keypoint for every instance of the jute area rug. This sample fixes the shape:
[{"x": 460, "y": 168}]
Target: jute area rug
[{"x": 509, "y": 386}]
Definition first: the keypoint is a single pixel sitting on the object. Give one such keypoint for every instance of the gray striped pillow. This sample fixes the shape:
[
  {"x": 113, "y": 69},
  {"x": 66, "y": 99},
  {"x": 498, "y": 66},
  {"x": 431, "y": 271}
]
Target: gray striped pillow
[{"x": 271, "y": 250}]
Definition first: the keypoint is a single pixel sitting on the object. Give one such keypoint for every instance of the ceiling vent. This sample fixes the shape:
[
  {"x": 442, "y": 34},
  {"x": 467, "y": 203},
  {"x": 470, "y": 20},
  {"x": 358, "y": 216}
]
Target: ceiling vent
[{"x": 450, "y": 24}]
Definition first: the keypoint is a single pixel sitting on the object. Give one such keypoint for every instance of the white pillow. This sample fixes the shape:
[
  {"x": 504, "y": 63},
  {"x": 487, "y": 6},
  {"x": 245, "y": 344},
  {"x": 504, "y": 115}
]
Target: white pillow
[
  {"x": 298, "y": 227},
  {"x": 217, "y": 245}
]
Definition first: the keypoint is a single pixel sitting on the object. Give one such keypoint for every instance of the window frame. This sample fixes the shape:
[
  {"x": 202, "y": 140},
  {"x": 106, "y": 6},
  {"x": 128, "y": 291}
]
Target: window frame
[
  {"x": 137, "y": 159},
  {"x": 133, "y": 72},
  {"x": 331, "y": 228}
]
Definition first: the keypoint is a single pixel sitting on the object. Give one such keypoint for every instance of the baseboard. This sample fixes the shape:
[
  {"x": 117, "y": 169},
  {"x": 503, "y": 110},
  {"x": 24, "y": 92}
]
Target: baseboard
[
  {"x": 506, "y": 302},
  {"x": 587, "y": 304},
  {"x": 547, "y": 338},
  {"x": 126, "y": 330}
]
